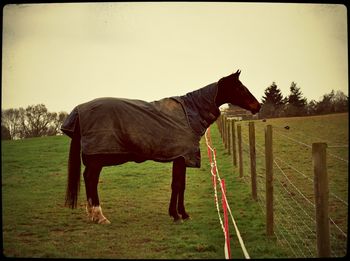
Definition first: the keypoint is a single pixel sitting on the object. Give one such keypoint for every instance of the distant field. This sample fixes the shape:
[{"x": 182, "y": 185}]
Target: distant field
[{"x": 135, "y": 198}]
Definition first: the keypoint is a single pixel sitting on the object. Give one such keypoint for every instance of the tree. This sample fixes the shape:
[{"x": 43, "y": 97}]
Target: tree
[
  {"x": 311, "y": 107},
  {"x": 55, "y": 126},
  {"x": 5, "y": 133},
  {"x": 10, "y": 119},
  {"x": 272, "y": 101},
  {"x": 35, "y": 121},
  {"x": 326, "y": 105},
  {"x": 296, "y": 104},
  {"x": 341, "y": 102},
  {"x": 333, "y": 103}
]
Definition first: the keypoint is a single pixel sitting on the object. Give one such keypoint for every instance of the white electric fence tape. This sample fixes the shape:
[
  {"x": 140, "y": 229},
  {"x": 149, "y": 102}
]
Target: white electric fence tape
[{"x": 216, "y": 175}]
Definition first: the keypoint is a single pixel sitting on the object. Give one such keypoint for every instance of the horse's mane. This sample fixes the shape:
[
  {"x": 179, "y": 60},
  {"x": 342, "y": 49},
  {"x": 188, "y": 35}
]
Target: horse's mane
[{"x": 200, "y": 107}]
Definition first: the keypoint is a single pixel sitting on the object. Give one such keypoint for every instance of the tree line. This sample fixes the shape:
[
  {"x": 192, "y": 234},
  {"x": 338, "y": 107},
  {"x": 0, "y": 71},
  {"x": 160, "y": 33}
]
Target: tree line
[
  {"x": 33, "y": 121},
  {"x": 275, "y": 105},
  {"x": 37, "y": 121}
]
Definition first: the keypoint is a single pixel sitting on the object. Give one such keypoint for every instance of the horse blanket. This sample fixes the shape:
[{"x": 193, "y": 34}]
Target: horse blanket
[{"x": 160, "y": 130}]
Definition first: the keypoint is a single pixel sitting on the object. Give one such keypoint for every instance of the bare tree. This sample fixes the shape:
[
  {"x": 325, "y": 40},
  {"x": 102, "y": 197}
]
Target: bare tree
[
  {"x": 35, "y": 121},
  {"x": 55, "y": 126},
  {"x": 10, "y": 119},
  {"x": 5, "y": 133}
]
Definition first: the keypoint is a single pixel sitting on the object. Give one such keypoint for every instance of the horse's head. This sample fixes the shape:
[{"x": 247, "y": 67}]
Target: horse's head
[{"x": 231, "y": 90}]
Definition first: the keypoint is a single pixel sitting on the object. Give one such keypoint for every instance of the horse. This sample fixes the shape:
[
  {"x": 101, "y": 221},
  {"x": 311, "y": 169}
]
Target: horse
[{"x": 112, "y": 131}]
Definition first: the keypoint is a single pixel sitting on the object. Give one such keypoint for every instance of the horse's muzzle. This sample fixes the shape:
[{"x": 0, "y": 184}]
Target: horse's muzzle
[{"x": 255, "y": 108}]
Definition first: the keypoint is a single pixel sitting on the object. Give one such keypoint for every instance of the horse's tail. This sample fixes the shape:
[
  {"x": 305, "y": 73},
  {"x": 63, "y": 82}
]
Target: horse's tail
[{"x": 74, "y": 169}]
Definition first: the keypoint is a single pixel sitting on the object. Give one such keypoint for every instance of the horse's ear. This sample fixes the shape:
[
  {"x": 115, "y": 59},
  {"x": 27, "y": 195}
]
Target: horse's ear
[{"x": 237, "y": 73}]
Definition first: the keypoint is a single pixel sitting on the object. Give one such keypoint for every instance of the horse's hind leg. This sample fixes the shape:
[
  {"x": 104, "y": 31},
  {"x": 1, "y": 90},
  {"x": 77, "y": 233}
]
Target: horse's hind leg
[
  {"x": 93, "y": 208},
  {"x": 87, "y": 190}
]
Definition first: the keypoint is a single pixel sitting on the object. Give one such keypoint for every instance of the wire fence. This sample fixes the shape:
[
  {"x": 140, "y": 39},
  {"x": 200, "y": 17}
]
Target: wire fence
[{"x": 294, "y": 207}]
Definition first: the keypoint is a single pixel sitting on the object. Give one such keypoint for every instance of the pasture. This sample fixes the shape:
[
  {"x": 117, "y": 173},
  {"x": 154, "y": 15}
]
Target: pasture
[
  {"x": 135, "y": 199},
  {"x": 293, "y": 179}
]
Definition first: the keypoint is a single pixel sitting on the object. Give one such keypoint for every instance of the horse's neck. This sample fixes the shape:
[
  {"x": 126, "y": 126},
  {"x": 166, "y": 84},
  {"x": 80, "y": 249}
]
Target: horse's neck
[
  {"x": 201, "y": 107},
  {"x": 205, "y": 98},
  {"x": 221, "y": 96}
]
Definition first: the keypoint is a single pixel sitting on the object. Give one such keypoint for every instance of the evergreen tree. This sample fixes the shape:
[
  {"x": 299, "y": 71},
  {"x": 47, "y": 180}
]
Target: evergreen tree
[
  {"x": 272, "y": 101},
  {"x": 296, "y": 103},
  {"x": 273, "y": 95}
]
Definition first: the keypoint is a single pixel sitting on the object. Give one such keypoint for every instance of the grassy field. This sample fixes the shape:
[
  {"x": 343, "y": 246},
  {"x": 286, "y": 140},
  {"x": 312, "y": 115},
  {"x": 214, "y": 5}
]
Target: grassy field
[
  {"x": 294, "y": 208},
  {"x": 135, "y": 199}
]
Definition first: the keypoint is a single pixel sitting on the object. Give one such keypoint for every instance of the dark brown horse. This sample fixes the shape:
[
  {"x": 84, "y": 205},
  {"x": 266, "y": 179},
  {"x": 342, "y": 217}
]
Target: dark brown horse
[{"x": 112, "y": 131}]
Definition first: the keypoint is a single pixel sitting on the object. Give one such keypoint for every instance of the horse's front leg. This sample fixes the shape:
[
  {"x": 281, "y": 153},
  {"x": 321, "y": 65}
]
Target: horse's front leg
[
  {"x": 181, "y": 197},
  {"x": 176, "y": 206}
]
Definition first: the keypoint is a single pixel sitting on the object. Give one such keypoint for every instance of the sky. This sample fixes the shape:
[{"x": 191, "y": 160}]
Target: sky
[{"x": 62, "y": 55}]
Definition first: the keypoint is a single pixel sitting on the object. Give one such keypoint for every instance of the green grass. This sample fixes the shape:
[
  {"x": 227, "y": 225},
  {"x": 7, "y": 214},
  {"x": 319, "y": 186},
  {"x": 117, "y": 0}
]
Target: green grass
[
  {"x": 293, "y": 185},
  {"x": 135, "y": 199}
]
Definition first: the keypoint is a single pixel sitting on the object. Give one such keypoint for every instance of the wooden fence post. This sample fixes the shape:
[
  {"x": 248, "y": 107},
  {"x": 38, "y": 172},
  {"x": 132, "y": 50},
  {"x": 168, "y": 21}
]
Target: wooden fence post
[
  {"x": 229, "y": 136},
  {"x": 240, "y": 156},
  {"x": 224, "y": 131},
  {"x": 222, "y": 125},
  {"x": 252, "y": 158},
  {"x": 269, "y": 180},
  {"x": 233, "y": 132},
  {"x": 321, "y": 198},
  {"x": 218, "y": 122}
]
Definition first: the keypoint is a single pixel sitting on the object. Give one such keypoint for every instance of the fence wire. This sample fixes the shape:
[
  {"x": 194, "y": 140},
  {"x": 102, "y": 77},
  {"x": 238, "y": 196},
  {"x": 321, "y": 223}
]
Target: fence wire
[{"x": 294, "y": 208}]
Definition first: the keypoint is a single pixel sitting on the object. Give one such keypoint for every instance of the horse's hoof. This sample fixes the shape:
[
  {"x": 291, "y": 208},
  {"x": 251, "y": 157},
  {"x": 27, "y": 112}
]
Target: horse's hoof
[
  {"x": 177, "y": 218},
  {"x": 178, "y": 221},
  {"x": 104, "y": 221},
  {"x": 174, "y": 215},
  {"x": 185, "y": 216}
]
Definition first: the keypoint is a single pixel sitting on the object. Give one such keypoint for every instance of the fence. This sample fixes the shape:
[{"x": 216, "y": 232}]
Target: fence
[
  {"x": 225, "y": 205},
  {"x": 284, "y": 177}
]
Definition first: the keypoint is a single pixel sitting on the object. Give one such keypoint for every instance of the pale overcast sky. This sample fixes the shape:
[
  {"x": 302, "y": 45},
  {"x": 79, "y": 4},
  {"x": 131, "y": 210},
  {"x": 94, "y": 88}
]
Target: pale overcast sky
[{"x": 66, "y": 54}]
